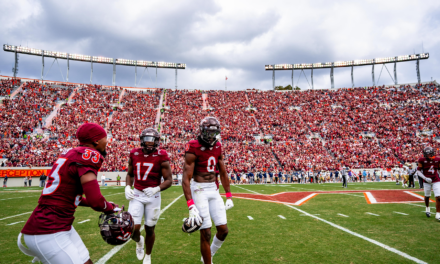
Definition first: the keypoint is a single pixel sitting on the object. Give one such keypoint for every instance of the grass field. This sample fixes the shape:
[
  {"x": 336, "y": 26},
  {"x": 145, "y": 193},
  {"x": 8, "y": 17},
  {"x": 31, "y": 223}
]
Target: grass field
[{"x": 329, "y": 228}]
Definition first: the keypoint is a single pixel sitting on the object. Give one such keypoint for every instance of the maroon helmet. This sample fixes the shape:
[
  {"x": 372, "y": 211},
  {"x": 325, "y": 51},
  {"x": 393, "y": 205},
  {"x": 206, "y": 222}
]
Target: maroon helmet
[
  {"x": 149, "y": 135},
  {"x": 209, "y": 130},
  {"x": 116, "y": 229}
]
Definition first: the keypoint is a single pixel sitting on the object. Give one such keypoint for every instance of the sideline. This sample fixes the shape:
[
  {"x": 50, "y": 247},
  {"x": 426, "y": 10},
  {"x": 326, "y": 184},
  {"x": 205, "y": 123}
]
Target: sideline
[
  {"x": 398, "y": 252},
  {"x": 16, "y": 215},
  {"x": 116, "y": 249}
]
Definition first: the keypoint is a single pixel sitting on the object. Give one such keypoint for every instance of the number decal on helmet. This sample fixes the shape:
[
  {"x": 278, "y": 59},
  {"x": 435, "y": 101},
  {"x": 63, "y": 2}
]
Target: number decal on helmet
[{"x": 211, "y": 168}]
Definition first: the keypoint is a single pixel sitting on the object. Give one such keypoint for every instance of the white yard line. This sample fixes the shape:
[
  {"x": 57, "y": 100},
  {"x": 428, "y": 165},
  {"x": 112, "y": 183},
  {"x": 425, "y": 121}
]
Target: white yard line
[
  {"x": 250, "y": 217},
  {"x": 84, "y": 221},
  {"x": 116, "y": 249},
  {"x": 415, "y": 195},
  {"x": 419, "y": 205},
  {"x": 371, "y": 197},
  {"x": 15, "y": 223},
  {"x": 245, "y": 189},
  {"x": 400, "y": 213},
  {"x": 372, "y": 214},
  {"x": 305, "y": 199},
  {"x": 353, "y": 195},
  {"x": 113, "y": 194},
  {"x": 343, "y": 215},
  {"x": 282, "y": 217},
  {"x": 16, "y": 215},
  {"x": 398, "y": 252}
]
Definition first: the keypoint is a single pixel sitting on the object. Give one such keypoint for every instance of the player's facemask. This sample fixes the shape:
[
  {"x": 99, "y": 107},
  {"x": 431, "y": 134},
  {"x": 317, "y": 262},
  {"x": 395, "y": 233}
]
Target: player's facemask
[
  {"x": 149, "y": 143},
  {"x": 210, "y": 135}
]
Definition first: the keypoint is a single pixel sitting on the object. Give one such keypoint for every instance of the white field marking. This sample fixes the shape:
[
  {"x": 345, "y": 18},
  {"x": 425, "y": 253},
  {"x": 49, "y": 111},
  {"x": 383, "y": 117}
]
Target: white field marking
[
  {"x": 400, "y": 213},
  {"x": 19, "y": 197},
  {"x": 15, "y": 223},
  {"x": 353, "y": 195},
  {"x": 398, "y": 252},
  {"x": 372, "y": 214},
  {"x": 15, "y": 215},
  {"x": 343, "y": 215},
  {"x": 307, "y": 215},
  {"x": 415, "y": 195},
  {"x": 282, "y": 217},
  {"x": 84, "y": 221},
  {"x": 305, "y": 199},
  {"x": 245, "y": 189},
  {"x": 116, "y": 249},
  {"x": 250, "y": 217},
  {"x": 420, "y": 205},
  {"x": 113, "y": 194},
  {"x": 371, "y": 197}
]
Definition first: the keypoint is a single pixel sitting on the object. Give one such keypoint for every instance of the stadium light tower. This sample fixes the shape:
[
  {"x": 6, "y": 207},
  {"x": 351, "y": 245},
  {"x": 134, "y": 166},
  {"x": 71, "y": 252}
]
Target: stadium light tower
[
  {"x": 91, "y": 59},
  {"x": 352, "y": 64}
]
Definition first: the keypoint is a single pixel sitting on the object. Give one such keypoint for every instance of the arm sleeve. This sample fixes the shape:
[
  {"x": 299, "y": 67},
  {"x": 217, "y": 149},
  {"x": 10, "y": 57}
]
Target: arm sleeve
[{"x": 95, "y": 198}]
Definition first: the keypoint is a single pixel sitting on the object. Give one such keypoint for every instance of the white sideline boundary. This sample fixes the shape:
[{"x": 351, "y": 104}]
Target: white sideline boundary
[
  {"x": 398, "y": 252},
  {"x": 116, "y": 249},
  {"x": 16, "y": 215}
]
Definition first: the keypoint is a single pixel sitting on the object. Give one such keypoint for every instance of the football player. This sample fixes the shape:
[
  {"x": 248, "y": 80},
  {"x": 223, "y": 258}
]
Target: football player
[
  {"x": 203, "y": 157},
  {"x": 49, "y": 233},
  {"x": 427, "y": 169},
  {"x": 146, "y": 166}
]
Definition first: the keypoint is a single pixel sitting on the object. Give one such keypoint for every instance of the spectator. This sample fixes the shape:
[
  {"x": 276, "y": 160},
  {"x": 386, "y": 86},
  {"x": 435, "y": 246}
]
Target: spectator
[{"x": 43, "y": 178}]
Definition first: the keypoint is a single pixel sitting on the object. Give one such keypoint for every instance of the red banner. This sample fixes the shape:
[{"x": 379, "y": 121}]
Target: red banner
[{"x": 23, "y": 173}]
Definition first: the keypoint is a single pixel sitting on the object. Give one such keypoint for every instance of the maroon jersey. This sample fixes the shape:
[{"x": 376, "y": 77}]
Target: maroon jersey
[
  {"x": 63, "y": 191},
  {"x": 430, "y": 168},
  {"x": 207, "y": 158},
  {"x": 147, "y": 167}
]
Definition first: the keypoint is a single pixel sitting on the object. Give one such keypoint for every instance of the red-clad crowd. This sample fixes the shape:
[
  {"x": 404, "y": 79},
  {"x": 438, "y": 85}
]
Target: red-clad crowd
[
  {"x": 26, "y": 112},
  {"x": 315, "y": 129},
  {"x": 8, "y": 85}
]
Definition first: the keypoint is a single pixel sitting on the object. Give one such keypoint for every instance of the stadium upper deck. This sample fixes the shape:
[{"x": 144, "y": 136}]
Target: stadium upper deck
[{"x": 261, "y": 130}]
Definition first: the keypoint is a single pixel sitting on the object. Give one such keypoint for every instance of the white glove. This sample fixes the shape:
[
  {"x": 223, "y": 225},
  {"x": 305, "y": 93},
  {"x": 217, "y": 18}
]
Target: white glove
[
  {"x": 194, "y": 216},
  {"x": 129, "y": 193},
  {"x": 229, "y": 204},
  {"x": 428, "y": 180},
  {"x": 150, "y": 191}
]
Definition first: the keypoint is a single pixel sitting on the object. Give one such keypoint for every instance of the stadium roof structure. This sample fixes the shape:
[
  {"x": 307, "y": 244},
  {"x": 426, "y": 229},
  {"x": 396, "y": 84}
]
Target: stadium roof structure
[
  {"x": 351, "y": 63},
  {"x": 92, "y": 59}
]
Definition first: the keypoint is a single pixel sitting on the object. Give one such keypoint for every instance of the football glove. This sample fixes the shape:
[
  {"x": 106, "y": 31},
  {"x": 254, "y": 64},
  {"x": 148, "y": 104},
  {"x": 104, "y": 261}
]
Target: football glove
[
  {"x": 129, "y": 193},
  {"x": 194, "y": 216},
  {"x": 149, "y": 192},
  {"x": 229, "y": 204},
  {"x": 428, "y": 180}
]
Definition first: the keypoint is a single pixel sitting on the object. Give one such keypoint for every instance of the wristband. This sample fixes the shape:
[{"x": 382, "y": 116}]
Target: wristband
[
  {"x": 228, "y": 195},
  {"x": 190, "y": 202}
]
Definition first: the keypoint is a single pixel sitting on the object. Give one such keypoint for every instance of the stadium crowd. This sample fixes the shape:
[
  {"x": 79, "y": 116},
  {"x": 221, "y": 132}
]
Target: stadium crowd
[{"x": 371, "y": 127}]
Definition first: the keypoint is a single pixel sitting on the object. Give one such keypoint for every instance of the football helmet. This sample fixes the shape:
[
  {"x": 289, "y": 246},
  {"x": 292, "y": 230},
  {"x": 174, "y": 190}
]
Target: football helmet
[
  {"x": 149, "y": 135},
  {"x": 429, "y": 152},
  {"x": 209, "y": 130},
  {"x": 116, "y": 229},
  {"x": 188, "y": 228}
]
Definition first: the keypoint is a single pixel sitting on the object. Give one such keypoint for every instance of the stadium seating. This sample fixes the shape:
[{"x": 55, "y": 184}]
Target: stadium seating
[{"x": 367, "y": 127}]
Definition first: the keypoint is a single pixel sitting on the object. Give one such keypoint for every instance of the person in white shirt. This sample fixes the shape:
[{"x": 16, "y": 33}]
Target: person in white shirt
[
  {"x": 179, "y": 178},
  {"x": 103, "y": 180}
]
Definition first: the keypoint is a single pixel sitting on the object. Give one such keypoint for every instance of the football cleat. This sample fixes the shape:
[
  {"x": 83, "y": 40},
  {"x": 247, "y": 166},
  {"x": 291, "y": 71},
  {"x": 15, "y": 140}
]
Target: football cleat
[
  {"x": 437, "y": 216},
  {"x": 428, "y": 214},
  {"x": 140, "y": 252}
]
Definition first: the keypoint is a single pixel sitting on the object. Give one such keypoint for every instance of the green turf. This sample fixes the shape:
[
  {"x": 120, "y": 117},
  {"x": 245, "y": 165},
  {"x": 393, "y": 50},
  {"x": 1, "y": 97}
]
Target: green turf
[{"x": 265, "y": 239}]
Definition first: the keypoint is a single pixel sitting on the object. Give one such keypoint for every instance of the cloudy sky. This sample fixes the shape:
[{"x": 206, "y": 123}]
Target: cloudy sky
[{"x": 223, "y": 38}]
